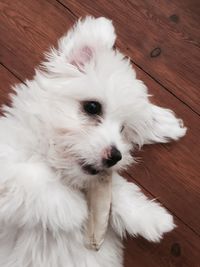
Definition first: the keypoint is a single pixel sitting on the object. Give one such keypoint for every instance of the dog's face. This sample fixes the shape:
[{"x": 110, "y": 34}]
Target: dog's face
[{"x": 98, "y": 108}]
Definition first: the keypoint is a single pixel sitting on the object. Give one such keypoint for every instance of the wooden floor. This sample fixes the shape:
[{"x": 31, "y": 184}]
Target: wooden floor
[{"x": 162, "y": 38}]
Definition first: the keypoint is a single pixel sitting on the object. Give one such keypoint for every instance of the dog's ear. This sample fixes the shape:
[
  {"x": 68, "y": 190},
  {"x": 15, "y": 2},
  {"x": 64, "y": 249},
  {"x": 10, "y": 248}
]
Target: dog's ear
[
  {"x": 164, "y": 126},
  {"x": 80, "y": 45},
  {"x": 160, "y": 125},
  {"x": 81, "y": 56}
]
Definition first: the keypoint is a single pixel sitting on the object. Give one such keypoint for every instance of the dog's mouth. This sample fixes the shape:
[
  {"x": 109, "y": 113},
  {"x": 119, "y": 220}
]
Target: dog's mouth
[{"x": 90, "y": 169}]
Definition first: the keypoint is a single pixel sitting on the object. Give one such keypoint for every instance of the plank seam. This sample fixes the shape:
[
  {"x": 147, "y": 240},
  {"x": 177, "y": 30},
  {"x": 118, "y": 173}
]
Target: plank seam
[
  {"x": 168, "y": 90},
  {"x": 75, "y": 16},
  {"x": 18, "y": 78},
  {"x": 154, "y": 197}
]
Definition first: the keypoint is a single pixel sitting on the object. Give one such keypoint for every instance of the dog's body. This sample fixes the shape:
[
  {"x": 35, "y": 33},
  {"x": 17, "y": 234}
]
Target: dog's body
[{"x": 76, "y": 119}]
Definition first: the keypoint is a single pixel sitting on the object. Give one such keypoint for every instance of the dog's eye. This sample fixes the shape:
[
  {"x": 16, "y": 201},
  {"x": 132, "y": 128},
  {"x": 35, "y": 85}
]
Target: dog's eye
[{"x": 92, "y": 107}]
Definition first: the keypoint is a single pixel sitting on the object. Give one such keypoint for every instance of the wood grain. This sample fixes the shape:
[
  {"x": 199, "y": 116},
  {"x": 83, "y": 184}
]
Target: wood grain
[
  {"x": 6, "y": 80},
  {"x": 27, "y": 29},
  {"x": 180, "y": 248},
  {"x": 162, "y": 37},
  {"x": 175, "y": 250}
]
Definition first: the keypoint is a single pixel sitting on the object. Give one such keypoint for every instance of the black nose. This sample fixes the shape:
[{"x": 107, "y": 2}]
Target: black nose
[{"x": 114, "y": 157}]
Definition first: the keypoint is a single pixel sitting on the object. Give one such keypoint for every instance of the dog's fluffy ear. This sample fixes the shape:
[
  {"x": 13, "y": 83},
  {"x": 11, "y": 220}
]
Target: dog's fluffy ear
[
  {"x": 164, "y": 126},
  {"x": 80, "y": 45},
  {"x": 160, "y": 126}
]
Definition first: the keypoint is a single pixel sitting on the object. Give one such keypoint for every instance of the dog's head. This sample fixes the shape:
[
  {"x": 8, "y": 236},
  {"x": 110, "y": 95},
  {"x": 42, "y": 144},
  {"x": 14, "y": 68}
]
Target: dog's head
[{"x": 97, "y": 108}]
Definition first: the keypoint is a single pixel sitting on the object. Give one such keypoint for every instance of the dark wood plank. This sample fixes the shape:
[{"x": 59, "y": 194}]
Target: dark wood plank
[
  {"x": 173, "y": 251},
  {"x": 6, "y": 80},
  {"x": 162, "y": 37},
  {"x": 27, "y": 29}
]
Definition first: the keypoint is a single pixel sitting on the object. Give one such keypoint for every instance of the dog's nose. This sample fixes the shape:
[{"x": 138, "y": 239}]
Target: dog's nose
[{"x": 114, "y": 157}]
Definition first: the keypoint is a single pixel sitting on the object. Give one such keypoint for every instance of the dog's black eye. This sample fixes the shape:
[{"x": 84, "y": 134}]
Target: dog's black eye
[{"x": 92, "y": 107}]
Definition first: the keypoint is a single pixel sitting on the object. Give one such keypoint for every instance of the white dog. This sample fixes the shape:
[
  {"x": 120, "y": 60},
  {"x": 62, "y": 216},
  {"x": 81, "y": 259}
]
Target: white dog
[{"x": 81, "y": 115}]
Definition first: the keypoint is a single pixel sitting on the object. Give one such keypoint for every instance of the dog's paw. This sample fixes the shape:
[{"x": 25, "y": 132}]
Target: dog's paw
[{"x": 158, "y": 222}]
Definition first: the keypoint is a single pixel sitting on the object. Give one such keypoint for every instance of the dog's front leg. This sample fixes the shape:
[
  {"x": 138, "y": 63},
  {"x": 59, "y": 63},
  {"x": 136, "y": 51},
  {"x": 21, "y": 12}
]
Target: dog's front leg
[
  {"x": 133, "y": 212},
  {"x": 32, "y": 194}
]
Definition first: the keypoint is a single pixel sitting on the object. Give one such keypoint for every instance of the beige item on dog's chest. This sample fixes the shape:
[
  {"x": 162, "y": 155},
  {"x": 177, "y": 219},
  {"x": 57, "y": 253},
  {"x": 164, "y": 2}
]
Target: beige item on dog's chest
[{"x": 99, "y": 195}]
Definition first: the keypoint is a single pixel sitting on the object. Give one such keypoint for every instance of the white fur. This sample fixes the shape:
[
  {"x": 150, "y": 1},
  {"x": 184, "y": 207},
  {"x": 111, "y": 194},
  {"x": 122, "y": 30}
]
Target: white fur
[{"x": 45, "y": 135}]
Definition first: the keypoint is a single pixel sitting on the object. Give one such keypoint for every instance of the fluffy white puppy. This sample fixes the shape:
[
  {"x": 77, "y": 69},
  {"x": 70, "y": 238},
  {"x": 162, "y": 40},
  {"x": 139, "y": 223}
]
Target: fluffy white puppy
[{"x": 80, "y": 116}]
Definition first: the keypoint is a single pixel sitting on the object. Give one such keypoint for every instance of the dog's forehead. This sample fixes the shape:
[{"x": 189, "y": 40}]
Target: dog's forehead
[
  {"x": 112, "y": 82},
  {"x": 113, "y": 94}
]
